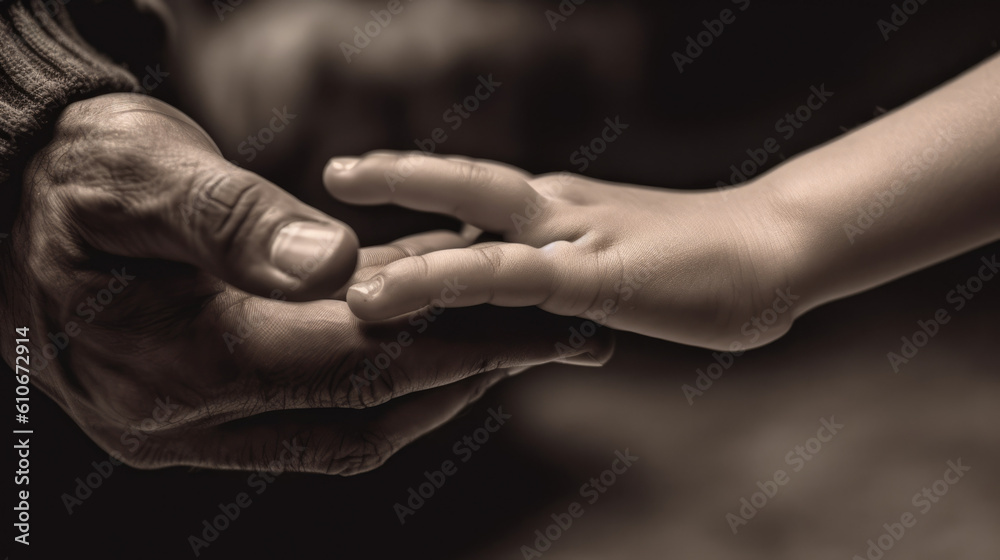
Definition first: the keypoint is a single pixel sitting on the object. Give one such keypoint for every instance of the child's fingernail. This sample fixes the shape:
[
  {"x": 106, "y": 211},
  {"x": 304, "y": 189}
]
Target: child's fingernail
[
  {"x": 369, "y": 289},
  {"x": 342, "y": 164}
]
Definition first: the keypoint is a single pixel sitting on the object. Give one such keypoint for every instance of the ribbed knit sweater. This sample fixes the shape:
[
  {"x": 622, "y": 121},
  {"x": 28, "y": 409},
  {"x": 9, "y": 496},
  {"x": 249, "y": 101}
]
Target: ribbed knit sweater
[{"x": 44, "y": 66}]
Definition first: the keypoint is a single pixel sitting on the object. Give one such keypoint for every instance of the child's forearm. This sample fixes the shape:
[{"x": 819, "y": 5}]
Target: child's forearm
[
  {"x": 918, "y": 186},
  {"x": 713, "y": 269}
]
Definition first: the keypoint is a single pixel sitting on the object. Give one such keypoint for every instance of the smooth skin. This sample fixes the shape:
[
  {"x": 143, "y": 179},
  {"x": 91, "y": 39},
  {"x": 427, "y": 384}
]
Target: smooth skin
[{"x": 699, "y": 267}]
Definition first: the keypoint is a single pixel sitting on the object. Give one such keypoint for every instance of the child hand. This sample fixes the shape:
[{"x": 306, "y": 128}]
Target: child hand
[{"x": 701, "y": 268}]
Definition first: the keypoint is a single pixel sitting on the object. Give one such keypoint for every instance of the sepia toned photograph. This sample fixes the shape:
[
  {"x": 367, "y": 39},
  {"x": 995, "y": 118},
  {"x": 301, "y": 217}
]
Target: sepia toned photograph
[{"x": 501, "y": 279}]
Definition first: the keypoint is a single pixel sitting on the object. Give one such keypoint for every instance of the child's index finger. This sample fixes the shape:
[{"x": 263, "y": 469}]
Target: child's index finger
[{"x": 486, "y": 196}]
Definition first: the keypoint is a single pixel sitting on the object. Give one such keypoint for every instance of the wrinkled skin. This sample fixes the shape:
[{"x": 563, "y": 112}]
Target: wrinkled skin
[{"x": 146, "y": 260}]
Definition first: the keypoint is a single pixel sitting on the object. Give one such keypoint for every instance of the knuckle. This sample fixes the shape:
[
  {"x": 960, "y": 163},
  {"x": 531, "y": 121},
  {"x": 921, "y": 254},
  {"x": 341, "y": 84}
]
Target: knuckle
[
  {"x": 475, "y": 174},
  {"x": 413, "y": 267},
  {"x": 216, "y": 193},
  {"x": 113, "y": 183},
  {"x": 361, "y": 451},
  {"x": 395, "y": 252},
  {"x": 287, "y": 454},
  {"x": 483, "y": 364},
  {"x": 224, "y": 205},
  {"x": 558, "y": 187},
  {"x": 492, "y": 256},
  {"x": 367, "y": 386},
  {"x": 375, "y": 258}
]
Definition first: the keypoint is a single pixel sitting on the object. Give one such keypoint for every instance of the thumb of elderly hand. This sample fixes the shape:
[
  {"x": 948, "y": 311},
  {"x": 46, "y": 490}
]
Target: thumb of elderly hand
[{"x": 138, "y": 178}]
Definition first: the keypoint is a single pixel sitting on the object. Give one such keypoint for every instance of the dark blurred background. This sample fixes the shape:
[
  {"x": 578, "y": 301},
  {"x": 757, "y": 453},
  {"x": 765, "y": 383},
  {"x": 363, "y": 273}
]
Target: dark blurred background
[{"x": 230, "y": 68}]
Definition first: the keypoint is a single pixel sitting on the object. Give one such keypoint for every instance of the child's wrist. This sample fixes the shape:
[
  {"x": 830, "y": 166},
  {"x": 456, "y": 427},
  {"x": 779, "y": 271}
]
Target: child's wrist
[{"x": 781, "y": 245}]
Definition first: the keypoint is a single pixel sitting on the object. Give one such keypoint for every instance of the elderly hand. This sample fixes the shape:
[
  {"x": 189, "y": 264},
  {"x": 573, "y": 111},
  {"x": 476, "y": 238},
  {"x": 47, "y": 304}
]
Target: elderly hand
[{"x": 174, "y": 312}]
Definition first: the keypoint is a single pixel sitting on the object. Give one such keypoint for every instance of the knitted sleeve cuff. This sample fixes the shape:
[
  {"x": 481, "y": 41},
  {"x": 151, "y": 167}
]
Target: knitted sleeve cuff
[{"x": 44, "y": 66}]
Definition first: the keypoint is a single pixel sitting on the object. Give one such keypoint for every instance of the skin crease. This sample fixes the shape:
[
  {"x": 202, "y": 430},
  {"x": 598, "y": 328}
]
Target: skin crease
[
  {"x": 108, "y": 193},
  {"x": 197, "y": 353},
  {"x": 723, "y": 265}
]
